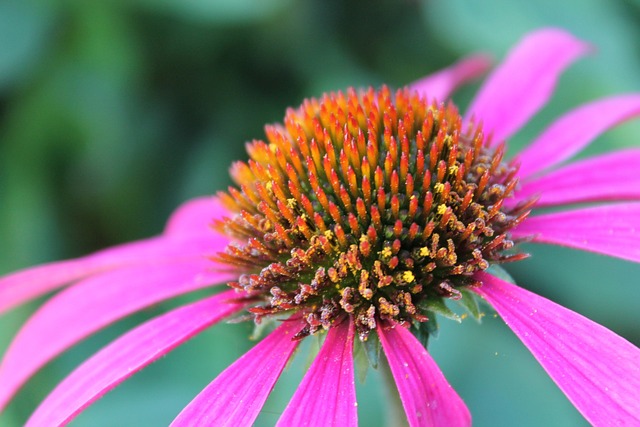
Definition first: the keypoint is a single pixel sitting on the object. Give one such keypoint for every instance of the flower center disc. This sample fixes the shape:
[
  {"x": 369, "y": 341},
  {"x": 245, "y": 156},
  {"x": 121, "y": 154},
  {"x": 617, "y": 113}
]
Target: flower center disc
[{"x": 369, "y": 205}]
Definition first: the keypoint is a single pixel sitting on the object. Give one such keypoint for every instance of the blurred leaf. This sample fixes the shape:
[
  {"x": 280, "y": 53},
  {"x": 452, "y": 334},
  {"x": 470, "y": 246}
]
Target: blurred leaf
[
  {"x": 25, "y": 33},
  {"x": 469, "y": 302},
  {"x": 221, "y": 11}
]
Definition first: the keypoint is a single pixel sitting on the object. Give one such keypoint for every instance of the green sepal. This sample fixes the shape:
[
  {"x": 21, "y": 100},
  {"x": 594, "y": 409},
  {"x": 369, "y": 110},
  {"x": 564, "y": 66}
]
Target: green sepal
[
  {"x": 437, "y": 305},
  {"x": 424, "y": 330},
  {"x": 361, "y": 361},
  {"x": 372, "y": 349},
  {"x": 469, "y": 302},
  {"x": 500, "y": 273},
  {"x": 366, "y": 354},
  {"x": 261, "y": 329}
]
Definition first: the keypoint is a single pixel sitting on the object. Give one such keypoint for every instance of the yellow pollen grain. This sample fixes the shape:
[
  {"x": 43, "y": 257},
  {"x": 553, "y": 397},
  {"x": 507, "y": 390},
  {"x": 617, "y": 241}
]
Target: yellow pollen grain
[
  {"x": 328, "y": 234},
  {"x": 269, "y": 185},
  {"x": 291, "y": 203},
  {"x": 386, "y": 252},
  {"x": 442, "y": 209},
  {"x": 439, "y": 187},
  {"x": 424, "y": 251},
  {"x": 273, "y": 148},
  {"x": 453, "y": 169},
  {"x": 408, "y": 276}
]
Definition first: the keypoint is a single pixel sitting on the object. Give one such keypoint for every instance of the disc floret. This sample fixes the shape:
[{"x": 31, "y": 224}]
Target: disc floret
[{"x": 370, "y": 205}]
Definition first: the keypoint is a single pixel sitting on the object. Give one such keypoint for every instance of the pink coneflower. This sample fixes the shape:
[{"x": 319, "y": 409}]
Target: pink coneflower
[{"x": 357, "y": 218}]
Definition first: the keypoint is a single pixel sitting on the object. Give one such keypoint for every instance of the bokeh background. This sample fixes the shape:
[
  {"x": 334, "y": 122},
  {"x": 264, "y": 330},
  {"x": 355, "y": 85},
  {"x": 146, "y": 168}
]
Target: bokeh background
[{"x": 114, "y": 112}]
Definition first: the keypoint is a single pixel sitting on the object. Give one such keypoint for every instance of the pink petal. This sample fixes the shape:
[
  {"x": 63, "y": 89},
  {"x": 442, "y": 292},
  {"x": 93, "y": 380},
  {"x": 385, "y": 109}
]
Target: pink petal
[
  {"x": 427, "y": 397},
  {"x": 575, "y": 130},
  {"x": 441, "y": 84},
  {"x": 126, "y": 356},
  {"x": 195, "y": 216},
  {"x": 611, "y": 229},
  {"x": 21, "y": 286},
  {"x": 614, "y": 176},
  {"x": 327, "y": 394},
  {"x": 91, "y": 305},
  {"x": 598, "y": 370},
  {"x": 236, "y": 396},
  {"x": 524, "y": 82}
]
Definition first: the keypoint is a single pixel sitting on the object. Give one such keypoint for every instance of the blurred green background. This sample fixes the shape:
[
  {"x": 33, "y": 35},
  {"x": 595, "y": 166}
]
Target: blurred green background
[{"x": 114, "y": 112}]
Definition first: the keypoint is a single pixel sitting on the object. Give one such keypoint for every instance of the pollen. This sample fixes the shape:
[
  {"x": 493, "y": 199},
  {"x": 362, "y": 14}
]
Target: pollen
[
  {"x": 408, "y": 276},
  {"x": 369, "y": 205}
]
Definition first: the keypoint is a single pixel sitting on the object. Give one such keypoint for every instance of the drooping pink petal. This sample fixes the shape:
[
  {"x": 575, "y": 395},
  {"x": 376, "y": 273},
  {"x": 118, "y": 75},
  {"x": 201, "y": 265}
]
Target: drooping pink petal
[
  {"x": 195, "y": 216},
  {"x": 127, "y": 355},
  {"x": 572, "y": 132},
  {"x": 327, "y": 395},
  {"x": 441, "y": 84},
  {"x": 21, "y": 286},
  {"x": 614, "y": 176},
  {"x": 236, "y": 396},
  {"x": 598, "y": 370},
  {"x": 91, "y": 305},
  {"x": 427, "y": 397},
  {"x": 524, "y": 82},
  {"x": 609, "y": 229}
]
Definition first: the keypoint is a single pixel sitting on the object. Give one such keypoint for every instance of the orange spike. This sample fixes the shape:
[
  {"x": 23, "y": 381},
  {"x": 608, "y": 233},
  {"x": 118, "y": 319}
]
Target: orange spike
[
  {"x": 404, "y": 166},
  {"x": 366, "y": 189},
  {"x": 361, "y": 209},
  {"x": 340, "y": 235},
  {"x": 307, "y": 205},
  {"x": 442, "y": 171},
  {"x": 335, "y": 213},
  {"x": 413, "y": 207},
  {"x": 372, "y": 235},
  {"x": 394, "y": 182},
  {"x": 319, "y": 222},
  {"x": 397, "y": 228},
  {"x": 375, "y": 217},
  {"x": 382, "y": 198},
  {"x": 353, "y": 181},
  {"x": 414, "y": 229},
  {"x": 379, "y": 178},
  {"x": 482, "y": 183},
  {"x": 286, "y": 212},
  {"x": 433, "y": 156},
  {"x": 395, "y": 206},
  {"x": 353, "y": 223},
  {"x": 427, "y": 203},
  {"x": 345, "y": 198},
  {"x": 409, "y": 185}
]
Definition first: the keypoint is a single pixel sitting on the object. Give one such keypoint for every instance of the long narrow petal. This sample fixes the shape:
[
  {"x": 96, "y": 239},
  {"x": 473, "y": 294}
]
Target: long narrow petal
[
  {"x": 524, "y": 82},
  {"x": 195, "y": 216},
  {"x": 327, "y": 395},
  {"x": 126, "y": 356},
  {"x": 441, "y": 84},
  {"x": 427, "y": 397},
  {"x": 236, "y": 396},
  {"x": 598, "y": 370},
  {"x": 575, "y": 130},
  {"x": 21, "y": 286},
  {"x": 609, "y": 229},
  {"x": 89, "y": 306},
  {"x": 609, "y": 177}
]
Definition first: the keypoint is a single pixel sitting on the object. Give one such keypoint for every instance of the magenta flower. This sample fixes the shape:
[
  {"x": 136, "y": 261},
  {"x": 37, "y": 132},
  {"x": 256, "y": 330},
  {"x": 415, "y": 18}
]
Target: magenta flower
[{"x": 358, "y": 217}]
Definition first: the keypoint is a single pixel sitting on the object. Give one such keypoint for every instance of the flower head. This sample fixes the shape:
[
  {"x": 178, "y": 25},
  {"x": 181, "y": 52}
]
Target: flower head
[
  {"x": 372, "y": 206},
  {"x": 358, "y": 217}
]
